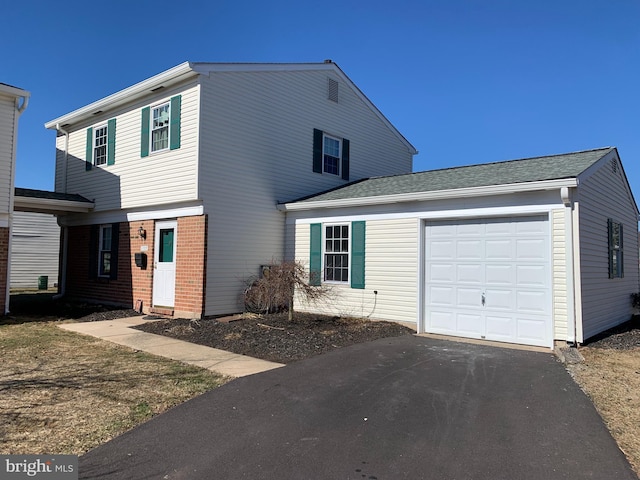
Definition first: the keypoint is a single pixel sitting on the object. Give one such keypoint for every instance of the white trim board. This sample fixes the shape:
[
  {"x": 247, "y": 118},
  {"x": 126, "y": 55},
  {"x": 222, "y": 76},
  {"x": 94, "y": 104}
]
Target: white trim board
[{"x": 132, "y": 216}]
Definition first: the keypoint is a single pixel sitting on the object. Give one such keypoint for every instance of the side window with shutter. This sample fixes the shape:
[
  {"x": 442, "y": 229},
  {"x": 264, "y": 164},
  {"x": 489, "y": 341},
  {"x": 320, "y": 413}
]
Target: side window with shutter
[
  {"x": 330, "y": 154},
  {"x": 101, "y": 145},
  {"x": 160, "y": 127}
]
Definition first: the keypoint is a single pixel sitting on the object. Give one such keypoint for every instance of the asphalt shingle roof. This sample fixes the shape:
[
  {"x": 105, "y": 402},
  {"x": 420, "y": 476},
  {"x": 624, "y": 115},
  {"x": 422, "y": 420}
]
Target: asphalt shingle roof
[
  {"x": 552, "y": 167},
  {"x": 45, "y": 194}
]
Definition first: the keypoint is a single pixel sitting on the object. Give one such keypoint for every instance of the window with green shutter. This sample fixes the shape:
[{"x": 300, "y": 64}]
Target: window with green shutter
[
  {"x": 337, "y": 253},
  {"x": 160, "y": 126},
  {"x": 101, "y": 145}
]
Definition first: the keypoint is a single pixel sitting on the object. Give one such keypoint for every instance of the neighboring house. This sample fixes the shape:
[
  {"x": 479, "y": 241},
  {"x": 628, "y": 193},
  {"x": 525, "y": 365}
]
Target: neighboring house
[
  {"x": 13, "y": 101},
  {"x": 526, "y": 251},
  {"x": 35, "y": 250},
  {"x": 185, "y": 170}
]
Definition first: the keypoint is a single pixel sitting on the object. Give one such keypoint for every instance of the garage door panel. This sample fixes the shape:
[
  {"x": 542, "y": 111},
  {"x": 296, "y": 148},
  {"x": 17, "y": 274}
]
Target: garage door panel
[
  {"x": 442, "y": 321},
  {"x": 529, "y": 301},
  {"x": 499, "y": 274},
  {"x": 507, "y": 260},
  {"x": 442, "y": 296},
  {"x": 531, "y": 249},
  {"x": 442, "y": 250},
  {"x": 469, "y": 249},
  {"x": 442, "y": 272},
  {"x": 469, "y": 297},
  {"x": 500, "y": 328},
  {"x": 499, "y": 249},
  {"x": 499, "y": 299},
  {"x": 470, "y": 325},
  {"x": 469, "y": 273},
  {"x": 531, "y": 331},
  {"x": 531, "y": 276}
]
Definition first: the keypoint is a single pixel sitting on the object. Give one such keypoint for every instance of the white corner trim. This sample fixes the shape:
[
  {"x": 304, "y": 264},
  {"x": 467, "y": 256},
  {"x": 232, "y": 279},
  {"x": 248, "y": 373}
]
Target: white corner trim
[{"x": 432, "y": 195}]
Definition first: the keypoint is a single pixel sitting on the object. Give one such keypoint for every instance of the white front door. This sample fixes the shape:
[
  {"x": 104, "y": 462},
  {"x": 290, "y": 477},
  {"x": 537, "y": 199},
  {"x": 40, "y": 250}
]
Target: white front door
[
  {"x": 489, "y": 279},
  {"x": 164, "y": 264}
]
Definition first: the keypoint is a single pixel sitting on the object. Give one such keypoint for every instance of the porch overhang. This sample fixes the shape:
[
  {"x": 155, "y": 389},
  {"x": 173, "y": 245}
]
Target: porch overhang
[{"x": 43, "y": 201}]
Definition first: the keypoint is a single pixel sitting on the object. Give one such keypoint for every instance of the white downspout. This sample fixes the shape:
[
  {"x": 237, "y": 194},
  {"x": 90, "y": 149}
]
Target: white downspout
[
  {"x": 565, "y": 194},
  {"x": 20, "y": 108}
]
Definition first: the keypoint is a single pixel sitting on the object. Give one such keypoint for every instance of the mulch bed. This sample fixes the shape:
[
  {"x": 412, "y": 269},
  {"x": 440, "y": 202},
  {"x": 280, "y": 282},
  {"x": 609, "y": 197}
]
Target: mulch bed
[
  {"x": 625, "y": 336},
  {"x": 274, "y": 337}
]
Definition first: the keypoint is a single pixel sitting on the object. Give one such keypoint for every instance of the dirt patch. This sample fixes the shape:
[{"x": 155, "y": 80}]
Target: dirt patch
[
  {"x": 274, "y": 337},
  {"x": 64, "y": 393},
  {"x": 610, "y": 376}
]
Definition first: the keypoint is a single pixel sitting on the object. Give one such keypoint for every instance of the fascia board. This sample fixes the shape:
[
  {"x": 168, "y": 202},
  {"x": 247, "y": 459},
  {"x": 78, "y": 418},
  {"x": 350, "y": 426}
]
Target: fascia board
[
  {"x": 139, "y": 90},
  {"x": 52, "y": 205},
  {"x": 13, "y": 91},
  {"x": 433, "y": 195}
]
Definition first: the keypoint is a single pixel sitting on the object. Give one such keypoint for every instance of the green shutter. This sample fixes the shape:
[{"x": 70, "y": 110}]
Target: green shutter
[
  {"x": 345, "y": 159},
  {"x": 89, "y": 157},
  {"x": 358, "y": 230},
  {"x": 111, "y": 141},
  {"x": 144, "y": 132},
  {"x": 174, "y": 124},
  {"x": 317, "y": 150},
  {"x": 315, "y": 259}
]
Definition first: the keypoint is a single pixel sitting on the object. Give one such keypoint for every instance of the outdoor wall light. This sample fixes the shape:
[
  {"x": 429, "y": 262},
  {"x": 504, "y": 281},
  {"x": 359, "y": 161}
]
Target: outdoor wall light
[{"x": 142, "y": 232}]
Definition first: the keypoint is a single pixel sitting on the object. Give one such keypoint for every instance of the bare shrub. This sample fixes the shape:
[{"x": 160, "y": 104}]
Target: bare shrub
[{"x": 275, "y": 289}]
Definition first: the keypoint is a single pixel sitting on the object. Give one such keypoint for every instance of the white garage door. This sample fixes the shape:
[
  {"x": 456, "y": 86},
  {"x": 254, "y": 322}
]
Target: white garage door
[{"x": 489, "y": 279}]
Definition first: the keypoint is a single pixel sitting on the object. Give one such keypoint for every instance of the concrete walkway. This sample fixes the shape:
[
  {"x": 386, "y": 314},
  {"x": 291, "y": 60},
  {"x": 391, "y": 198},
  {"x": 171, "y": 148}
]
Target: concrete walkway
[{"x": 119, "y": 331}]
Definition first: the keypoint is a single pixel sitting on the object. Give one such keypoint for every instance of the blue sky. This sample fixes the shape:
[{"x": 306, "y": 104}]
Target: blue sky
[{"x": 465, "y": 81}]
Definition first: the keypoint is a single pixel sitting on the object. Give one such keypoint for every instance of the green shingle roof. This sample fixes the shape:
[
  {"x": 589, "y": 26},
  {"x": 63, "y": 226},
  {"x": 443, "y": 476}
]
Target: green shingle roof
[{"x": 552, "y": 167}]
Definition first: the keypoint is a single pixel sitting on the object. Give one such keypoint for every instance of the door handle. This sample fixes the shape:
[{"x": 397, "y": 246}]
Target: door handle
[{"x": 484, "y": 298}]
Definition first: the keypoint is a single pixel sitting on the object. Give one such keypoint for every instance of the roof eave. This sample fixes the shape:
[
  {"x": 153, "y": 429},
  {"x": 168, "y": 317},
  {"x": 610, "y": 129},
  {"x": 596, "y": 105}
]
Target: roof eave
[
  {"x": 129, "y": 94},
  {"x": 432, "y": 195},
  {"x": 13, "y": 91},
  {"x": 51, "y": 205}
]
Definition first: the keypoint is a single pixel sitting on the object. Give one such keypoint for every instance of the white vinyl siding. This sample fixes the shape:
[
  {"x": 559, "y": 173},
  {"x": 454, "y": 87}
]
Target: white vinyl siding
[
  {"x": 7, "y": 139},
  {"x": 165, "y": 177},
  {"x": 391, "y": 269},
  {"x": 559, "y": 261},
  {"x": 258, "y": 150},
  {"x": 34, "y": 250},
  {"x": 606, "y": 301}
]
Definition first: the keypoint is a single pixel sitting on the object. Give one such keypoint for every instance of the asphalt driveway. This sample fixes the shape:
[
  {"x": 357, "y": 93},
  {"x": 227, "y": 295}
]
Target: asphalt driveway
[{"x": 407, "y": 407}]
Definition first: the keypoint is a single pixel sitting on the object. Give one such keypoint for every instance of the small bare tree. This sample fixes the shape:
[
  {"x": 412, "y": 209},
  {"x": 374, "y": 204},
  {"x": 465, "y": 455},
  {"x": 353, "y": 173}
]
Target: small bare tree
[{"x": 275, "y": 289}]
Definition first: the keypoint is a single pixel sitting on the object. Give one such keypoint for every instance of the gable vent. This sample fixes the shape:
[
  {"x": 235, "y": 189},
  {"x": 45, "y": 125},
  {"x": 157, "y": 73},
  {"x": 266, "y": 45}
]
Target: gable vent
[
  {"x": 614, "y": 165},
  {"x": 333, "y": 90}
]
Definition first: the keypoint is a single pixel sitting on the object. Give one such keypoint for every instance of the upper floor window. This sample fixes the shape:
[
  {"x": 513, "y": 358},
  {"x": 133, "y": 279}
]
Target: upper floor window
[
  {"x": 101, "y": 145},
  {"x": 616, "y": 256},
  {"x": 331, "y": 155},
  {"x": 160, "y": 128}
]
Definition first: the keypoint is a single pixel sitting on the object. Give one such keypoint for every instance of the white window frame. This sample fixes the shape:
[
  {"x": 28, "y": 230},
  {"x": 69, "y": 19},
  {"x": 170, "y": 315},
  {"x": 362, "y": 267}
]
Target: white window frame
[
  {"x": 339, "y": 157},
  {"x": 102, "y": 250},
  {"x": 152, "y": 129},
  {"x": 104, "y": 145},
  {"x": 616, "y": 251},
  {"x": 325, "y": 253}
]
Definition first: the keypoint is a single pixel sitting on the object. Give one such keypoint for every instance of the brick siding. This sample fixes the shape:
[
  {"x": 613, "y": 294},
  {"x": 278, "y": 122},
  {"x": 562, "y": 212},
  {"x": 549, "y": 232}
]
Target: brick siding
[{"x": 4, "y": 260}]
